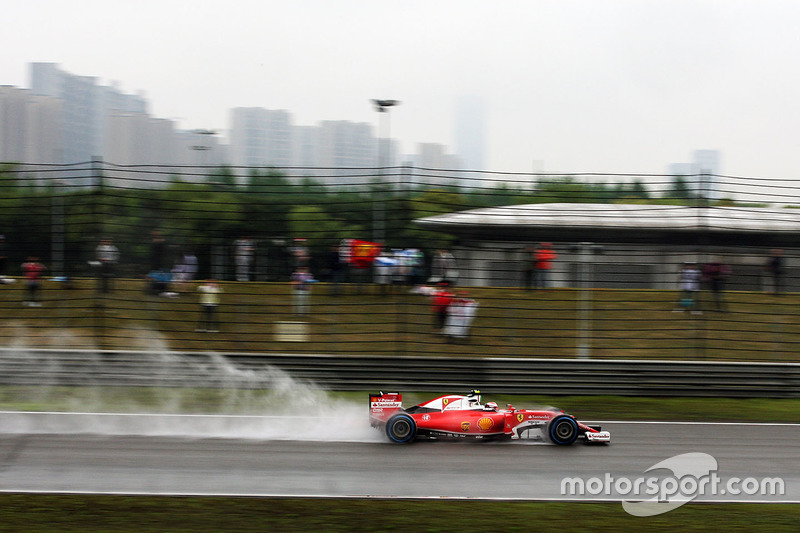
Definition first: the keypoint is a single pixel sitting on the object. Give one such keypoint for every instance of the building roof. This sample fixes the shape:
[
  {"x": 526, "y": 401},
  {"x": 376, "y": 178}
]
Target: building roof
[{"x": 624, "y": 223}]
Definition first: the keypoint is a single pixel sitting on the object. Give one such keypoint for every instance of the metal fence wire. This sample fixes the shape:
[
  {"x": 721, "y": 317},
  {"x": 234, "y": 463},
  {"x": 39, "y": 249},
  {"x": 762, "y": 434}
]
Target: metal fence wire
[{"x": 400, "y": 261}]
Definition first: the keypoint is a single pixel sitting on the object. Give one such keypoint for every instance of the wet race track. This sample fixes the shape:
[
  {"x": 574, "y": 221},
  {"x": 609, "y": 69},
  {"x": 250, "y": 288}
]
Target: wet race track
[{"x": 290, "y": 456}]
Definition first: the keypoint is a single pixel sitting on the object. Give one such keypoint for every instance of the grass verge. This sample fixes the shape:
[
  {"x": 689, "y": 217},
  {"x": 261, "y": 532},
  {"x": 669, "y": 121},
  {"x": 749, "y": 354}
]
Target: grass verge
[
  {"x": 72, "y": 513},
  {"x": 237, "y": 401},
  {"x": 635, "y": 324}
]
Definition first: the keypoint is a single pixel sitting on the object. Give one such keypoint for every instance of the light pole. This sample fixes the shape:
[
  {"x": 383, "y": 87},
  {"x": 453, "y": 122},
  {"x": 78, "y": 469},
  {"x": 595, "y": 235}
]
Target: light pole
[
  {"x": 586, "y": 251},
  {"x": 57, "y": 229},
  {"x": 378, "y": 201},
  {"x": 203, "y": 146}
]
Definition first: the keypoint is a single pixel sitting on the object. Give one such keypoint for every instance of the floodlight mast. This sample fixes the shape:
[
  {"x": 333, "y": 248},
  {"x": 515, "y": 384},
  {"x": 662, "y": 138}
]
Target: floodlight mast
[
  {"x": 382, "y": 106},
  {"x": 378, "y": 207}
]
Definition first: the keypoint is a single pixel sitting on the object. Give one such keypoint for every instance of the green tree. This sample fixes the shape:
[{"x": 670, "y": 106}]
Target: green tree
[
  {"x": 317, "y": 227},
  {"x": 638, "y": 190},
  {"x": 679, "y": 190}
]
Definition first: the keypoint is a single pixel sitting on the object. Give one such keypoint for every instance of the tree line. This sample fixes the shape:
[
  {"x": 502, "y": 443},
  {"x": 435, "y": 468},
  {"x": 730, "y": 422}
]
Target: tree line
[{"x": 47, "y": 217}]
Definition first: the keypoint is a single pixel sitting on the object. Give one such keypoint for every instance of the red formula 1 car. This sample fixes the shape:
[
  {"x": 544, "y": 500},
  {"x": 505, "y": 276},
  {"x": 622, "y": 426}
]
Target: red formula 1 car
[{"x": 455, "y": 417}]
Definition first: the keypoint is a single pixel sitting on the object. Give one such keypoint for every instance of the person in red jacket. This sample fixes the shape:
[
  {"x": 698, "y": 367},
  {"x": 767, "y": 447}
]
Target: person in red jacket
[
  {"x": 32, "y": 270},
  {"x": 543, "y": 258},
  {"x": 441, "y": 298}
]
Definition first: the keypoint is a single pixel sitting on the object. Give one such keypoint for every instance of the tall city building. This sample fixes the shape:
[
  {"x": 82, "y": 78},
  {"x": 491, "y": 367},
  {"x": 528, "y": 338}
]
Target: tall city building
[
  {"x": 436, "y": 164},
  {"x": 707, "y": 161},
  {"x": 65, "y": 118},
  {"x": 348, "y": 152},
  {"x": 701, "y": 173},
  {"x": 305, "y": 148},
  {"x": 29, "y": 127},
  {"x": 470, "y": 134},
  {"x": 261, "y": 137},
  {"x": 111, "y": 101},
  {"x": 85, "y": 105},
  {"x": 139, "y": 139}
]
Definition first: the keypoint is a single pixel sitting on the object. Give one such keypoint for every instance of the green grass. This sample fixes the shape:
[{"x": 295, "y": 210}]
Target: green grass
[
  {"x": 71, "y": 513},
  {"x": 637, "y": 324}
]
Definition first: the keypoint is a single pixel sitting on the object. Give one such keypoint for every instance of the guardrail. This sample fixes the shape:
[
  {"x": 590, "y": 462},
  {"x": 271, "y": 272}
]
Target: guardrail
[{"x": 404, "y": 373}]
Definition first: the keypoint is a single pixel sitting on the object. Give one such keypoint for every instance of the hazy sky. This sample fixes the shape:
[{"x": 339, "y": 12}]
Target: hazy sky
[{"x": 565, "y": 85}]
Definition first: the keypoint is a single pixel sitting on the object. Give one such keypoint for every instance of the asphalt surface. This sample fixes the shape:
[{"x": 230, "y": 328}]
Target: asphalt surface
[{"x": 221, "y": 455}]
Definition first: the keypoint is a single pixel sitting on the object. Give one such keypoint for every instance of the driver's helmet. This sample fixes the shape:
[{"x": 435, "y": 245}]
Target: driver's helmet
[{"x": 491, "y": 406}]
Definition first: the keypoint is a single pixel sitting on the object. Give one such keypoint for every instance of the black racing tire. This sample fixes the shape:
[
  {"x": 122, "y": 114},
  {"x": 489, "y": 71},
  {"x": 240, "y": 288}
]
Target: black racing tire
[
  {"x": 401, "y": 429},
  {"x": 562, "y": 430}
]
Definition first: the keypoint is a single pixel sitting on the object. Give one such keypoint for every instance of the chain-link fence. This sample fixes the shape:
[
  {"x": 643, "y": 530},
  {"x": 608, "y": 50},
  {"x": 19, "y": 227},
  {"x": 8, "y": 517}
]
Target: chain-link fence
[{"x": 399, "y": 260}]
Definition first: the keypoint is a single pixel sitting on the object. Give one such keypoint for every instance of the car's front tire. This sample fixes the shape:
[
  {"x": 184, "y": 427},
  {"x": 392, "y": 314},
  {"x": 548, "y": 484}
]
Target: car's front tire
[
  {"x": 563, "y": 430},
  {"x": 401, "y": 428}
]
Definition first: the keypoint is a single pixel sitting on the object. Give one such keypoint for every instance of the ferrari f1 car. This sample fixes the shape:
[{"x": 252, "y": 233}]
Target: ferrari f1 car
[{"x": 465, "y": 417}]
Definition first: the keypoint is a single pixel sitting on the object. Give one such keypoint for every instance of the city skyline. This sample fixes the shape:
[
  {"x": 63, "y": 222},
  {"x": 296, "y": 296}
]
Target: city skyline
[
  {"x": 66, "y": 118},
  {"x": 256, "y": 136},
  {"x": 615, "y": 87}
]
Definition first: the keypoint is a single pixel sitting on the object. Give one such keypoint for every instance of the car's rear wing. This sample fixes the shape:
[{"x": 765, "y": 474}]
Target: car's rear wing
[{"x": 383, "y": 405}]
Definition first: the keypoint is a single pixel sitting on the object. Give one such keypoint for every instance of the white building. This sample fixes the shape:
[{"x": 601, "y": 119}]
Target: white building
[
  {"x": 470, "y": 132},
  {"x": 261, "y": 137},
  {"x": 701, "y": 174},
  {"x": 113, "y": 102},
  {"x": 621, "y": 245},
  {"x": 29, "y": 127},
  {"x": 435, "y": 165},
  {"x": 86, "y": 106},
  {"x": 198, "y": 154},
  {"x": 139, "y": 139},
  {"x": 348, "y": 153},
  {"x": 305, "y": 148}
]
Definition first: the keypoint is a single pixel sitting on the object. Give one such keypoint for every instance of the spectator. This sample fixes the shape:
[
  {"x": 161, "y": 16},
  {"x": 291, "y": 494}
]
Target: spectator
[
  {"x": 191, "y": 266},
  {"x": 107, "y": 258},
  {"x": 185, "y": 270},
  {"x": 401, "y": 270},
  {"x": 32, "y": 270},
  {"x": 244, "y": 250},
  {"x": 543, "y": 257},
  {"x": 209, "y": 301},
  {"x": 443, "y": 268},
  {"x": 160, "y": 276},
  {"x": 689, "y": 285},
  {"x": 416, "y": 263},
  {"x": 714, "y": 274},
  {"x": 335, "y": 269},
  {"x": 441, "y": 298},
  {"x": 460, "y": 316},
  {"x": 4, "y": 261},
  {"x": 775, "y": 267},
  {"x": 385, "y": 265},
  {"x": 158, "y": 252},
  {"x": 300, "y": 254},
  {"x": 160, "y": 284},
  {"x": 301, "y": 290}
]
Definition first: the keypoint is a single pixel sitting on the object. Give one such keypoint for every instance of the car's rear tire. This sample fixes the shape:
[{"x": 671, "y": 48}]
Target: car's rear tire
[
  {"x": 401, "y": 428},
  {"x": 563, "y": 430}
]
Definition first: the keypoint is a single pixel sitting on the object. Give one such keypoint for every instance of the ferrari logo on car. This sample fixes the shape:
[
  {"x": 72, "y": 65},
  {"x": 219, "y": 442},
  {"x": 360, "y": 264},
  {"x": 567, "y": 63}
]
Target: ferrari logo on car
[
  {"x": 445, "y": 401},
  {"x": 520, "y": 417},
  {"x": 464, "y": 426}
]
